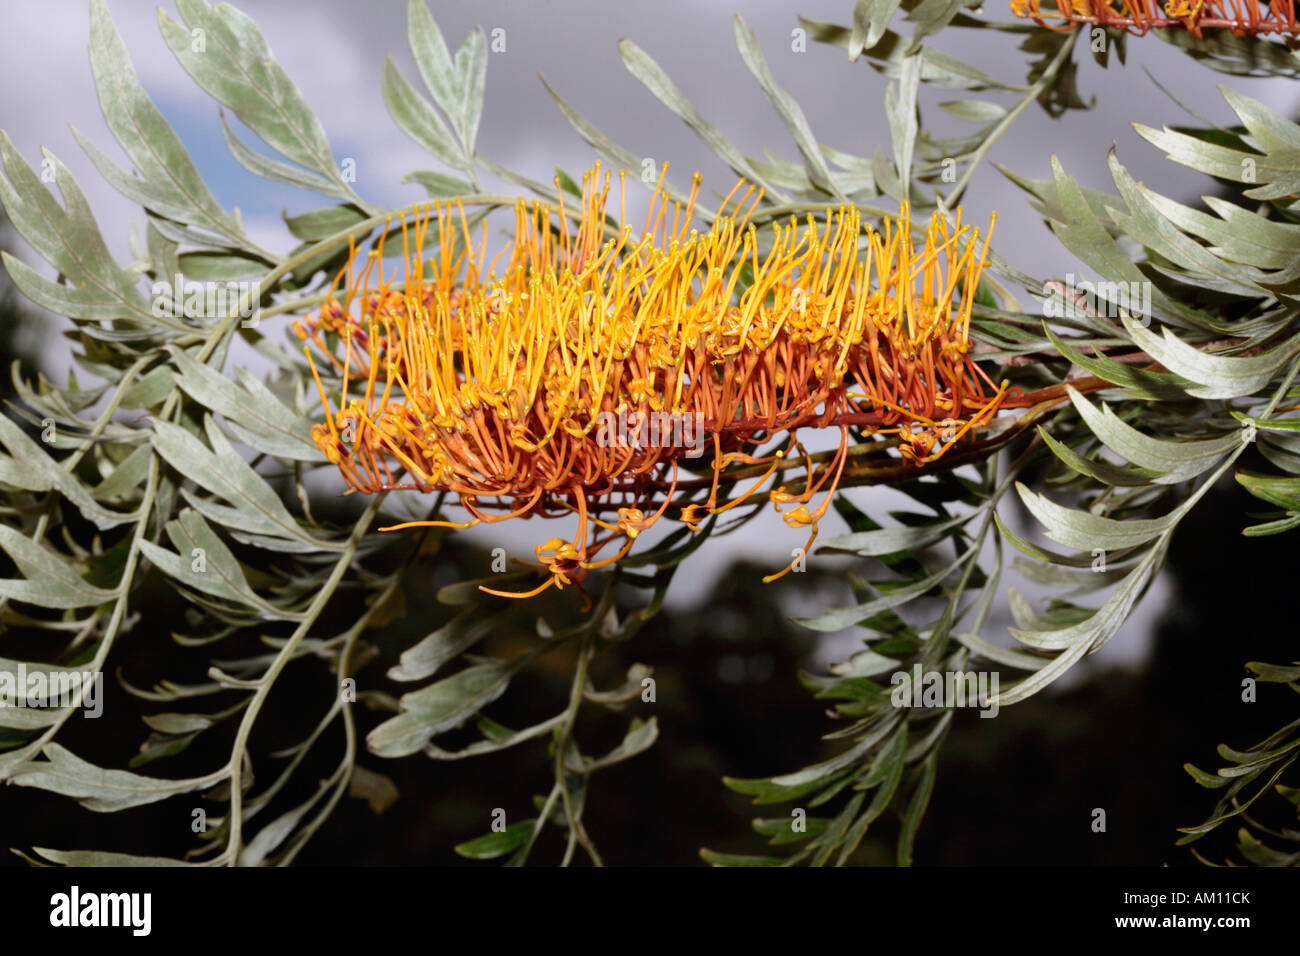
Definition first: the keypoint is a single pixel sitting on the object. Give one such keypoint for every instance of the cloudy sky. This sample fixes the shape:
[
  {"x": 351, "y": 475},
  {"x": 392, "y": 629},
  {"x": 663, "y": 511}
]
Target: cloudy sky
[{"x": 335, "y": 49}]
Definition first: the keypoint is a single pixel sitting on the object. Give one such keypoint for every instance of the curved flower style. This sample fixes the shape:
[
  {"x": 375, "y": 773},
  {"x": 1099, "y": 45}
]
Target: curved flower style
[
  {"x": 588, "y": 372},
  {"x": 1241, "y": 17}
]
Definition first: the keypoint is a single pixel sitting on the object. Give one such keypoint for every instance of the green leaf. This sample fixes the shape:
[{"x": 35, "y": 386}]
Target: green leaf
[
  {"x": 1140, "y": 383},
  {"x": 492, "y": 845},
  {"x": 916, "y": 810},
  {"x": 323, "y": 223}
]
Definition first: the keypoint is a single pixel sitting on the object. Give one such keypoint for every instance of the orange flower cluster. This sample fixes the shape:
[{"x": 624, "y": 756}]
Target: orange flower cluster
[
  {"x": 527, "y": 389},
  {"x": 1241, "y": 17}
]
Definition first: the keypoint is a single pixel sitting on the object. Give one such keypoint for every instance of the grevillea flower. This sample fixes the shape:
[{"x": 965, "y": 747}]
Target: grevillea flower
[
  {"x": 1241, "y": 17},
  {"x": 498, "y": 385}
]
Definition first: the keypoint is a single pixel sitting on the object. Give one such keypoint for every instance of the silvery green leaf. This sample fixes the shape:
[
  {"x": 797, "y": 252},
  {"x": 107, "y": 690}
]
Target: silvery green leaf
[
  {"x": 448, "y": 642},
  {"x": 650, "y": 73},
  {"x": 977, "y": 111},
  {"x": 1175, "y": 460},
  {"x": 640, "y": 737},
  {"x": 83, "y": 858},
  {"x": 104, "y": 791},
  {"x": 471, "y": 70},
  {"x": 31, "y": 718},
  {"x": 255, "y": 507},
  {"x": 1083, "y": 638},
  {"x": 273, "y": 834},
  {"x": 235, "y": 66},
  {"x": 432, "y": 56},
  {"x": 68, "y": 238},
  {"x": 998, "y": 655},
  {"x": 874, "y": 16},
  {"x": 441, "y": 706},
  {"x": 937, "y": 68},
  {"x": 417, "y": 118},
  {"x": 264, "y": 420},
  {"x": 149, "y": 389},
  {"x": 1097, "y": 468},
  {"x": 32, "y": 469},
  {"x": 47, "y": 580},
  {"x": 597, "y": 140},
  {"x": 840, "y": 618},
  {"x": 126, "y": 475},
  {"x": 901, "y": 111},
  {"x": 168, "y": 182},
  {"x": 225, "y": 265},
  {"x": 1269, "y": 130},
  {"x": 1089, "y": 532},
  {"x": 1218, "y": 376},
  {"x": 827, "y": 768},
  {"x": 218, "y": 573},
  {"x": 784, "y": 104},
  {"x": 630, "y": 688},
  {"x": 497, "y": 741},
  {"x": 865, "y": 663},
  {"x": 1147, "y": 226},
  {"x": 439, "y": 185},
  {"x": 889, "y": 540},
  {"x": 1083, "y": 234},
  {"x": 280, "y": 172}
]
